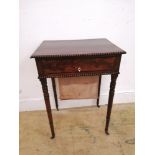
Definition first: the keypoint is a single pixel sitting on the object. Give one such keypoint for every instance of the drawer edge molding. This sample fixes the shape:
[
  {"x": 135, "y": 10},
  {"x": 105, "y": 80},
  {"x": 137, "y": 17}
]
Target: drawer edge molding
[
  {"x": 75, "y": 75},
  {"x": 79, "y": 55}
]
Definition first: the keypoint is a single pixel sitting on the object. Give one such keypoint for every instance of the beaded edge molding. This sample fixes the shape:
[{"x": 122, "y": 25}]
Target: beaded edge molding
[
  {"x": 74, "y": 75},
  {"x": 78, "y": 55}
]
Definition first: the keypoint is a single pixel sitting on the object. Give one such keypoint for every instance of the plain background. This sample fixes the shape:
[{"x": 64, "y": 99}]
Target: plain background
[
  {"x": 144, "y": 52},
  {"x": 71, "y": 19}
]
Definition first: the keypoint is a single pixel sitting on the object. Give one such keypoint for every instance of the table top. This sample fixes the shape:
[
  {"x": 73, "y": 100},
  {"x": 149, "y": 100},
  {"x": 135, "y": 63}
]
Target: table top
[{"x": 85, "y": 47}]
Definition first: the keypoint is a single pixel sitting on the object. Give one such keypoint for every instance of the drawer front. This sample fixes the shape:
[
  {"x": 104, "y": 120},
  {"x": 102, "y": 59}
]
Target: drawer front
[{"x": 78, "y": 65}]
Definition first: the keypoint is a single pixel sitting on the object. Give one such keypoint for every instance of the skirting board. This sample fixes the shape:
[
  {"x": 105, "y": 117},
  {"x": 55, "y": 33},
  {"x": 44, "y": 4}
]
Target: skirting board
[{"x": 38, "y": 103}]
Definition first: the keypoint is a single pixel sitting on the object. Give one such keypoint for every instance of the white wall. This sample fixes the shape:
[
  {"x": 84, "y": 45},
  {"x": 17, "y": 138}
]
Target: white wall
[{"x": 75, "y": 19}]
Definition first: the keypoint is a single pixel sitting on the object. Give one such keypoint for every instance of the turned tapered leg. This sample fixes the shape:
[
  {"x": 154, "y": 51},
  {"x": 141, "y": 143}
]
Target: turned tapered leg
[
  {"x": 110, "y": 101},
  {"x": 47, "y": 103},
  {"x": 55, "y": 93},
  {"x": 99, "y": 85}
]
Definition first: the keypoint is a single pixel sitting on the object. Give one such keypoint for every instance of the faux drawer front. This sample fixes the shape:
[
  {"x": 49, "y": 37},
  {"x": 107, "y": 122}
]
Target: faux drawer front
[{"x": 107, "y": 64}]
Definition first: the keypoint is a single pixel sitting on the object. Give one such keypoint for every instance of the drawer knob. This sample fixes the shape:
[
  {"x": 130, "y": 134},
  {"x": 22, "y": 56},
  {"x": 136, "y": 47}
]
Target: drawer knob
[{"x": 79, "y": 69}]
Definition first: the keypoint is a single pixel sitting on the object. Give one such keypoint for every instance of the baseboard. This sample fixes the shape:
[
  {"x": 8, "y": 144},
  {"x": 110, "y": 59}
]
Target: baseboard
[{"x": 32, "y": 104}]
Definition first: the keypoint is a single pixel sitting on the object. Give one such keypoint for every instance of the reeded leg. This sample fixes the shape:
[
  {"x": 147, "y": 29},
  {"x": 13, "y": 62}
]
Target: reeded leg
[
  {"x": 99, "y": 85},
  {"x": 47, "y": 103},
  {"x": 55, "y": 93},
  {"x": 110, "y": 101}
]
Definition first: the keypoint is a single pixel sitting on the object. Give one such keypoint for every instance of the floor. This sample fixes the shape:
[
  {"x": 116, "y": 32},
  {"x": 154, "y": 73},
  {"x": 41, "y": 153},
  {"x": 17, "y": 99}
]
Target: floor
[{"x": 79, "y": 131}]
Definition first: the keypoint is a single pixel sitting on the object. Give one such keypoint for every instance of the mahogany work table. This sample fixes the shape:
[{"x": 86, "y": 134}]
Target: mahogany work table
[{"x": 72, "y": 58}]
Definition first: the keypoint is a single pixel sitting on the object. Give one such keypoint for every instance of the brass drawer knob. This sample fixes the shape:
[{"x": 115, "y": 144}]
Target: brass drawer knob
[{"x": 79, "y": 69}]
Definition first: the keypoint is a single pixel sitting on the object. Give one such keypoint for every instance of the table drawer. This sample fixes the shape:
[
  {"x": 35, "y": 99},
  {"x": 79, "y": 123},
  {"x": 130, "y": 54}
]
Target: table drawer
[{"x": 78, "y": 65}]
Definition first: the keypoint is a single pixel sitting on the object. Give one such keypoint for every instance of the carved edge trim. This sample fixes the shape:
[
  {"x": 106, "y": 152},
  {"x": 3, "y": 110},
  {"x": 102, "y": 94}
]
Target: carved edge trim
[
  {"x": 75, "y": 75},
  {"x": 78, "y": 55}
]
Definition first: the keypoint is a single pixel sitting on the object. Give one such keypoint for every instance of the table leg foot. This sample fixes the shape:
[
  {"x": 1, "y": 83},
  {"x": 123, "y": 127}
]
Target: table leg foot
[
  {"x": 106, "y": 131},
  {"x": 53, "y": 136},
  {"x": 98, "y": 105}
]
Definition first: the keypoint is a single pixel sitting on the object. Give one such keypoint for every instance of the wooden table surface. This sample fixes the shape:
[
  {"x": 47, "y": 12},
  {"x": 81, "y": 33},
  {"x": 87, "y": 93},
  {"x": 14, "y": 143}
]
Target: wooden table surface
[{"x": 53, "y": 48}]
